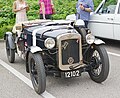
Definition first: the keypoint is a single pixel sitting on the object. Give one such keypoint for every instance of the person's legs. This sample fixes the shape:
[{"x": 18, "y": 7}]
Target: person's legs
[
  {"x": 41, "y": 16},
  {"x": 86, "y": 23},
  {"x": 46, "y": 16}
]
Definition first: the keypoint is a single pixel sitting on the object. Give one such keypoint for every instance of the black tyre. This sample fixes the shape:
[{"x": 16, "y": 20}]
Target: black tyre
[
  {"x": 99, "y": 69},
  {"x": 10, "y": 53},
  {"x": 37, "y": 72}
]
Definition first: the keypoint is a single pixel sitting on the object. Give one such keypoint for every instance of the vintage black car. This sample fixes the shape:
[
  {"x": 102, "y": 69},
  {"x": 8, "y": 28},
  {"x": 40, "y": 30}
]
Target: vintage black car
[{"x": 62, "y": 48}]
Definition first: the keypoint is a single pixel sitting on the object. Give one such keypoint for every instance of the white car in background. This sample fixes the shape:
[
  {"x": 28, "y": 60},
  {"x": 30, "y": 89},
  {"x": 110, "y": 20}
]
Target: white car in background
[{"x": 105, "y": 21}]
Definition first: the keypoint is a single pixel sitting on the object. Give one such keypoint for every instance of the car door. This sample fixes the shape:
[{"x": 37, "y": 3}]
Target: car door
[
  {"x": 101, "y": 25},
  {"x": 101, "y": 21},
  {"x": 117, "y": 23}
]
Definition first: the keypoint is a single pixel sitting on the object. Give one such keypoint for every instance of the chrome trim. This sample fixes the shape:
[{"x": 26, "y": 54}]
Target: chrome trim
[{"x": 64, "y": 37}]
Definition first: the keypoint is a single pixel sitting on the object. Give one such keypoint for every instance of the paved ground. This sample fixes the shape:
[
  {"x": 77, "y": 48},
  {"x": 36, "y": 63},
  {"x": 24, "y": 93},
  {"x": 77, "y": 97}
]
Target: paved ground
[{"x": 82, "y": 87}]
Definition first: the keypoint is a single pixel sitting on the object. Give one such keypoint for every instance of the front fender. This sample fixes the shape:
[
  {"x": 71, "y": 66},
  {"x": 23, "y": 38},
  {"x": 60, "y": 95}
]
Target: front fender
[
  {"x": 98, "y": 41},
  {"x": 35, "y": 49},
  {"x": 32, "y": 49},
  {"x": 9, "y": 37}
]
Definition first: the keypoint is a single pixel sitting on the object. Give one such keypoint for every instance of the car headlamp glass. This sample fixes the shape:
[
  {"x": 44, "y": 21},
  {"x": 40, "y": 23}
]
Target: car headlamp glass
[
  {"x": 49, "y": 43},
  {"x": 90, "y": 38}
]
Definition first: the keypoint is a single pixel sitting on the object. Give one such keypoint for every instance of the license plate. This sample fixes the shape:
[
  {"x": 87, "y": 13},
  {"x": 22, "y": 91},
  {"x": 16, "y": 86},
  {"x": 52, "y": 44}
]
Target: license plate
[{"x": 69, "y": 74}]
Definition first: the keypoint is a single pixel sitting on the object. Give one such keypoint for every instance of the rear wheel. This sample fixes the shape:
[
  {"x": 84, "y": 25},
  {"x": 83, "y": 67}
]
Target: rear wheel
[
  {"x": 99, "y": 68},
  {"x": 10, "y": 52},
  {"x": 37, "y": 72}
]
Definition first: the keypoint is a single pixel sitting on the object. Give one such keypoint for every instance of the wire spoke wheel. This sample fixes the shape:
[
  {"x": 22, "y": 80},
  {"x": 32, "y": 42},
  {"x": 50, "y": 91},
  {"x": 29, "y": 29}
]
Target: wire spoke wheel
[{"x": 99, "y": 69}]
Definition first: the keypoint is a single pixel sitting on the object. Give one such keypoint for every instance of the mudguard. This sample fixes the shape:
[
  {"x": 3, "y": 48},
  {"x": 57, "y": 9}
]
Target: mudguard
[
  {"x": 98, "y": 41},
  {"x": 10, "y": 39},
  {"x": 32, "y": 49},
  {"x": 35, "y": 49}
]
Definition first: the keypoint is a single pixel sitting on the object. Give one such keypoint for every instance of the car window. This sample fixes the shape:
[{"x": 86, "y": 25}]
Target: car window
[
  {"x": 107, "y": 8},
  {"x": 111, "y": 9}
]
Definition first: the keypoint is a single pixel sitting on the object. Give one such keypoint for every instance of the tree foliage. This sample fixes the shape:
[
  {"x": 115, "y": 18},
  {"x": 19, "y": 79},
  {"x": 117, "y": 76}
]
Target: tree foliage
[{"x": 62, "y": 7}]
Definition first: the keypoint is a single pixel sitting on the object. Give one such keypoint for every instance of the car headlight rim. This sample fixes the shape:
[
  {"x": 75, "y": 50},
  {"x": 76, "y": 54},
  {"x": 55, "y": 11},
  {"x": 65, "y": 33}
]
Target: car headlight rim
[
  {"x": 49, "y": 43},
  {"x": 90, "y": 38}
]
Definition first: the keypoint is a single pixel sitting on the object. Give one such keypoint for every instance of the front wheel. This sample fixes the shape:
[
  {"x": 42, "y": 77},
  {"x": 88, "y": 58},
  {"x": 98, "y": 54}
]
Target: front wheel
[
  {"x": 99, "y": 68},
  {"x": 37, "y": 72}
]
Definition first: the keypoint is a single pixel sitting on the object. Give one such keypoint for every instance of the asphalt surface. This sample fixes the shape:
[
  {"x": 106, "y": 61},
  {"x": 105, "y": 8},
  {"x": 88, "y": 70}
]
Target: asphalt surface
[{"x": 81, "y": 87}]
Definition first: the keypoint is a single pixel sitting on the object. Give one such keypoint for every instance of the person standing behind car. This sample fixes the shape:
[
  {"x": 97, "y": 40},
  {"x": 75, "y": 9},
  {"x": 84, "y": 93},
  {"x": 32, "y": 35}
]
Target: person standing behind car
[
  {"x": 84, "y": 7},
  {"x": 20, "y": 7},
  {"x": 46, "y": 9}
]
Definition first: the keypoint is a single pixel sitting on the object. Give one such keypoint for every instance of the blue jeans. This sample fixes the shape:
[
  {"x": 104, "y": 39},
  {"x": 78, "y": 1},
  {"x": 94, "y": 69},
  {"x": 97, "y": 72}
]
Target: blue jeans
[{"x": 86, "y": 23}]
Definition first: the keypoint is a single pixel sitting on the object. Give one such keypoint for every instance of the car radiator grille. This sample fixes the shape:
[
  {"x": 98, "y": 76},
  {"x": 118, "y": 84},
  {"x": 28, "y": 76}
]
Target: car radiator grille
[{"x": 70, "y": 51}]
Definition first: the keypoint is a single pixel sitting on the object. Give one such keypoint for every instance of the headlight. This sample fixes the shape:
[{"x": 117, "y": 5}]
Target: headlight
[
  {"x": 49, "y": 43},
  {"x": 90, "y": 38}
]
